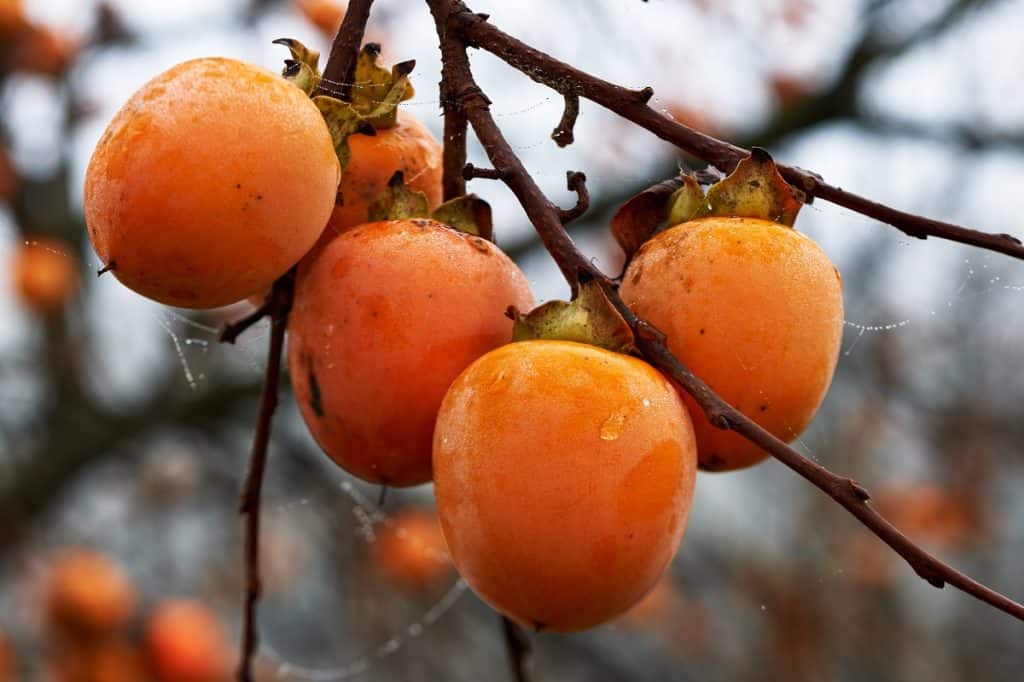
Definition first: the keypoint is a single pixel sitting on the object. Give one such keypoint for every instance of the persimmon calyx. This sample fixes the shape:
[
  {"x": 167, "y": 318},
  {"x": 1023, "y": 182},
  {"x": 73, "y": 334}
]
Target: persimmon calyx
[
  {"x": 377, "y": 90},
  {"x": 469, "y": 213},
  {"x": 303, "y": 69},
  {"x": 589, "y": 318},
  {"x": 755, "y": 189},
  {"x": 342, "y": 122}
]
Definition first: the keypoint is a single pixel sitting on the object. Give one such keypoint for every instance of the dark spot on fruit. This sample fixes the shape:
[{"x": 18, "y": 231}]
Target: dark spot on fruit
[
  {"x": 702, "y": 331},
  {"x": 479, "y": 244},
  {"x": 238, "y": 185},
  {"x": 259, "y": 197},
  {"x": 315, "y": 400},
  {"x": 763, "y": 408}
]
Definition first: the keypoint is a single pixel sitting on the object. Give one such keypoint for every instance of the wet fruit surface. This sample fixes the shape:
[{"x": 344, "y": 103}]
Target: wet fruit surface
[
  {"x": 564, "y": 475},
  {"x": 212, "y": 181},
  {"x": 386, "y": 315},
  {"x": 753, "y": 308}
]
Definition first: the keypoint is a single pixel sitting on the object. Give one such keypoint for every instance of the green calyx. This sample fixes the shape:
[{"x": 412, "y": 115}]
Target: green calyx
[
  {"x": 469, "y": 213},
  {"x": 374, "y": 96},
  {"x": 755, "y": 189},
  {"x": 589, "y": 318}
]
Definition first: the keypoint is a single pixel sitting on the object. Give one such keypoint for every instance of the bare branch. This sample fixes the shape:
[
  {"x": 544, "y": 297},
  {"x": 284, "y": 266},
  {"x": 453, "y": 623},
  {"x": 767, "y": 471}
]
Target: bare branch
[
  {"x": 723, "y": 155},
  {"x": 563, "y": 133},
  {"x": 341, "y": 66},
  {"x": 576, "y": 182}
]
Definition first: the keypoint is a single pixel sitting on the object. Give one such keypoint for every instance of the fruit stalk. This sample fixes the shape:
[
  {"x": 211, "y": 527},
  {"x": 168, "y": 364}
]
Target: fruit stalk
[
  {"x": 546, "y": 218},
  {"x": 632, "y": 105}
]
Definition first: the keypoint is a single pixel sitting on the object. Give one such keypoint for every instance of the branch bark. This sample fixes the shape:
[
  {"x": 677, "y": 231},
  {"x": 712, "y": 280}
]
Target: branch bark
[
  {"x": 631, "y": 105},
  {"x": 546, "y": 219}
]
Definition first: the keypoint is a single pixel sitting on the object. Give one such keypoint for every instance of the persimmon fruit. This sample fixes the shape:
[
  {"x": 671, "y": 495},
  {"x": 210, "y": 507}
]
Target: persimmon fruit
[
  {"x": 564, "y": 475},
  {"x": 410, "y": 551},
  {"x": 752, "y": 307},
  {"x": 326, "y": 15},
  {"x": 386, "y": 315},
  {"x": 210, "y": 183},
  {"x": 88, "y": 594},
  {"x": 44, "y": 274},
  {"x": 186, "y": 642},
  {"x": 409, "y": 147}
]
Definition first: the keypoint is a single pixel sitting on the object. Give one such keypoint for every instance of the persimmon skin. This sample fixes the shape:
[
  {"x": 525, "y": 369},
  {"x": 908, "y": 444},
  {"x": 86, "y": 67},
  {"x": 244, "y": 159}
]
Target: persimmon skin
[
  {"x": 564, "y": 475},
  {"x": 44, "y": 274},
  {"x": 213, "y": 180},
  {"x": 410, "y": 551},
  {"x": 386, "y": 315},
  {"x": 408, "y": 147},
  {"x": 8, "y": 668},
  {"x": 88, "y": 594},
  {"x": 753, "y": 308},
  {"x": 186, "y": 642}
]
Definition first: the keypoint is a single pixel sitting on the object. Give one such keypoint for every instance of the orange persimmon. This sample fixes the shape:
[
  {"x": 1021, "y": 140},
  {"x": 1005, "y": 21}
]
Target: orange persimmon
[
  {"x": 386, "y": 315},
  {"x": 186, "y": 642},
  {"x": 213, "y": 180},
  {"x": 44, "y": 274},
  {"x": 752, "y": 307},
  {"x": 410, "y": 552},
  {"x": 408, "y": 147},
  {"x": 326, "y": 15},
  {"x": 564, "y": 475},
  {"x": 88, "y": 594}
]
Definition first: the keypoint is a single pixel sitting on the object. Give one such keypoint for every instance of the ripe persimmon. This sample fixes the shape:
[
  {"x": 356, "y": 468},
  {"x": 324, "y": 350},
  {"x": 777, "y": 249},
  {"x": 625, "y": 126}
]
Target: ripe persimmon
[
  {"x": 44, "y": 274},
  {"x": 326, "y": 15},
  {"x": 386, "y": 315},
  {"x": 186, "y": 642},
  {"x": 88, "y": 594},
  {"x": 410, "y": 551},
  {"x": 46, "y": 51},
  {"x": 752, "y": 307},
  {"x": 564, "y": 475},
  {"x": 409, "y": 147},
  {"x": 8, "y": 673},
  {"x": 210, "y": 183}
]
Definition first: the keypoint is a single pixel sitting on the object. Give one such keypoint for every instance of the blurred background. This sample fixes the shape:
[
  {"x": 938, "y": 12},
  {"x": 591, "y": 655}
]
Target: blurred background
[{"x": 125, "y": 426}]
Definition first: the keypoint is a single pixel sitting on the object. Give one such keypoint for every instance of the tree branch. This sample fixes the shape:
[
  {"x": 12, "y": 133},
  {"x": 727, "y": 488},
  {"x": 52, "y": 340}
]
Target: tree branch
[
  {"x": 567, "y": 79},
  {"x": 341, "y": 66},
  {"x": 546, "y": 219}
]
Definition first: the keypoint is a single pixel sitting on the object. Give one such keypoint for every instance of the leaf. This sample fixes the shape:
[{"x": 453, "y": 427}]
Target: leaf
[
  {"x": 377, "y": 91},
  {"x": 469, "y": 214},
  {"x": 303, "y": 68},
  {"x": 589, "y": 318},
  {"x": 755, "y": 189},
  {"x": 398, "y": 202},
  {"x": 342, "y": 122},
  {"x": 639, "y": 218},
  {"x": 686, "y": 202}
]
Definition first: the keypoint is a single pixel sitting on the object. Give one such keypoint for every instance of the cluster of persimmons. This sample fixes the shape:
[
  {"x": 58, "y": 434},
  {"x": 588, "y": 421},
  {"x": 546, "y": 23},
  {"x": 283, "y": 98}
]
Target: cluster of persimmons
[{"x": 564, "y": 464}]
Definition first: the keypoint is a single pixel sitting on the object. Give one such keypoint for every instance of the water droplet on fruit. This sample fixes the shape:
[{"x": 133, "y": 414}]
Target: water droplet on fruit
[{"x": 612, "y": 427}]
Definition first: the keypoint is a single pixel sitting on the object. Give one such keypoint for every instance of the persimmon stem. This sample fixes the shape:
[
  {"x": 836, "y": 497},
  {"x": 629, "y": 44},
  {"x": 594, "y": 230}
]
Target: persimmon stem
[
  {"x": 546, "y": 219},
  {"x": 279, "y": 304},
  {"x": 340, "y": 70}
]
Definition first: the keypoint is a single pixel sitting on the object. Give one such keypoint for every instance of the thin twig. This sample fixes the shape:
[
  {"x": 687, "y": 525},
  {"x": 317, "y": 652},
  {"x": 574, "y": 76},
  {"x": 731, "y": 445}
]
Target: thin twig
[
  {"x": 233, "y": 330},
  {"x": 576, "y": 181},
  {"x": 545, "y": 217},
  {"x": 562, "y": 77},
  {"x": 519, "y": 647},
  {"x": 341, "y": 66},
  {"x": 280, "y": 304},
  {"x": 469, "y": 172},
  {"x": 563, "y": 132}
]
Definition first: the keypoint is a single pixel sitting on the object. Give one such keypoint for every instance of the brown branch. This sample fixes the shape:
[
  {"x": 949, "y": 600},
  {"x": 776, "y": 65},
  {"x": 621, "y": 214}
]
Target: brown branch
[
  {"x": 723, "y": 155},
  {"x": 279, "y": 304},
  {"x": 519, "y": 647},
  {"x": 455, "y": 166},
  {"x": 341, "y": 66},
  {"x": 546, "y": 219},
  {"x": 563, "y": 132},
  {"x": 469, "y": 172},
  {"x": 576, "y": 181},
  {"x": 340, "y": 70},
  {"x": 233, "y": 330}
]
